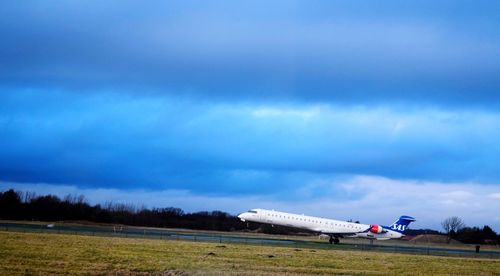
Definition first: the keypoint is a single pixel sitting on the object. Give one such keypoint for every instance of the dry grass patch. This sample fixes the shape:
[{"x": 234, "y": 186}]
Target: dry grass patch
[{"x": 26, "y": 253}]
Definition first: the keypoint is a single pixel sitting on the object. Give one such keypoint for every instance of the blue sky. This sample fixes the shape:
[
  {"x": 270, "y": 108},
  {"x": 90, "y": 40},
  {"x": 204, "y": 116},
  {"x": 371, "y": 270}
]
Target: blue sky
[{"x": 344, "y": 109}]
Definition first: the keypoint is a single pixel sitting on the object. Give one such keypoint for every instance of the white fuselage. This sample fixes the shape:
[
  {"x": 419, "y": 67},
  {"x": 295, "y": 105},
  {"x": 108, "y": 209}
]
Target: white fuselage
[{"x": 316, "y": 224}]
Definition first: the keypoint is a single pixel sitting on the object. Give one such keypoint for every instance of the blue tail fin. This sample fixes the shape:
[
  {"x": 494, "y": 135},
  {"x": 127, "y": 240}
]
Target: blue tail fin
[{"x": 401, "y": 224}]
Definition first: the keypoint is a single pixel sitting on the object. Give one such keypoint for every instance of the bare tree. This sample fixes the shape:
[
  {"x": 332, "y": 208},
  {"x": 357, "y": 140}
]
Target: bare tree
[
  {"x": 28, "y": 196},
  {"x": 451, "y": 225}
]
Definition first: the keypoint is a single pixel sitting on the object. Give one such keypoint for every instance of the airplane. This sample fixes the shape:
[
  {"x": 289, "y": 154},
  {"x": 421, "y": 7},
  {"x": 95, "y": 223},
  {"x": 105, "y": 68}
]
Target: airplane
[{"x": 334, "y": 228}]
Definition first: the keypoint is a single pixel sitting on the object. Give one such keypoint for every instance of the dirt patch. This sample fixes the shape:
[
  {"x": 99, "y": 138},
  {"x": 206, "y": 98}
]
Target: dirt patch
[{"x": 431, "y": 238}]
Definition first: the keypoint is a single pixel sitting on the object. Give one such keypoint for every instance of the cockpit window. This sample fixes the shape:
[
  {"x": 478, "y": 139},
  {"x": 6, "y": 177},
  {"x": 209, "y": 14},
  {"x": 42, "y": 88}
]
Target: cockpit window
[{"x": 252, "y": 211}]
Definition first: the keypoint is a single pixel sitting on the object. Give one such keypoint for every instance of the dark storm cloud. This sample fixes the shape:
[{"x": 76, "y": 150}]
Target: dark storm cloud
[
  {"x": 163, "y": 142},
  {"x": 256, "y": 98},
  {"x": 444, "y": 53}
]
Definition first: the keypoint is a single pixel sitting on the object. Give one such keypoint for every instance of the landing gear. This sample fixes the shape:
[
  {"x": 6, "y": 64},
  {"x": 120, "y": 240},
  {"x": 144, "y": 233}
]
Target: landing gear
[{"x": 334, "y": 240}]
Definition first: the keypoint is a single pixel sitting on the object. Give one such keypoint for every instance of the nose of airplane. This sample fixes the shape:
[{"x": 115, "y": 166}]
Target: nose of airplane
[{"x": 242, "y": 216}]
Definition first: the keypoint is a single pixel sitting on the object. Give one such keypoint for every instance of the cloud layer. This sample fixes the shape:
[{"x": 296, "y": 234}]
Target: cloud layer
[
  {"x": 112, "y": 140},
  {"x": 443, "y": 54}
]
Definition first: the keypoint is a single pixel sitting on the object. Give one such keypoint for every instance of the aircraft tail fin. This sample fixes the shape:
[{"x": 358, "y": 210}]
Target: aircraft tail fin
[{"x": 401, "y": 224}]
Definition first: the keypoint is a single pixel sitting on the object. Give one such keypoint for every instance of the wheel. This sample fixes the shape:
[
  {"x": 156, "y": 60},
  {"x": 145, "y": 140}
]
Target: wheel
[
  {"x": 336, "y": 240},
  {"x": 331, "y": 240}
]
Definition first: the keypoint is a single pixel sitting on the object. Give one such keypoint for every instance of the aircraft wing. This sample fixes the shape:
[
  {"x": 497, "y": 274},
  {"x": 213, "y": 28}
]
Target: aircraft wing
[{"x": 343, "y": 233}]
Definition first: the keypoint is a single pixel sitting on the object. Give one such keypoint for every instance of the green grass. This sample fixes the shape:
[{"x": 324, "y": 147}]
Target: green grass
[{"x": 35, "y": 253}]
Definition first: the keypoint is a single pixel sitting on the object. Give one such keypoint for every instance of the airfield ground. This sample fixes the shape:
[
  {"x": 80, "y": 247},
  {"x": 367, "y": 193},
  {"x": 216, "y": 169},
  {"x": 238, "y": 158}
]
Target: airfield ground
[
  {"x": 51, "y": 253},
  {"x": 423, "y": 246}
]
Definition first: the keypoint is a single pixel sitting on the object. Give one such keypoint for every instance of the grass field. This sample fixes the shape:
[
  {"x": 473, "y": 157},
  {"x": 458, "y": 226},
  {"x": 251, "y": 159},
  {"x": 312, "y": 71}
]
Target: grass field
[{"x": 34, "y": 253}]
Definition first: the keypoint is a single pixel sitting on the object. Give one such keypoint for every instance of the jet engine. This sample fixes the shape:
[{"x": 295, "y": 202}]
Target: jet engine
[{"x": 376, "y": 229}]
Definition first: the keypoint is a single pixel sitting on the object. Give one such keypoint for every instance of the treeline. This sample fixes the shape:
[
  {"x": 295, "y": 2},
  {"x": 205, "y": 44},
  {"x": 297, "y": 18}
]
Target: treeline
[
  {"x": 15, "y": 205},
  {"x": 476, "y": 235},
  {"x": 473, "y": 235},
  {"x": 27, "y": 206}
]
